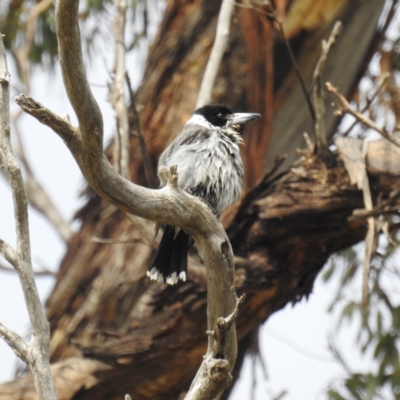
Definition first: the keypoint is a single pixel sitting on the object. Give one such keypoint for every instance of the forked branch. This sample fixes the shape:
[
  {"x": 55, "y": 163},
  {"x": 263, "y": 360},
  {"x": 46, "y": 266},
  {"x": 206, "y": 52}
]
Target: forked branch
[{"x": 169, "y": 205}]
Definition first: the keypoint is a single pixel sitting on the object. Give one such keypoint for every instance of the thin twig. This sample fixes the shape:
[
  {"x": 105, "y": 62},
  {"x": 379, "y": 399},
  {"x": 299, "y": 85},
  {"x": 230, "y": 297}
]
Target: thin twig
[
  {"x": 294, "y": 63},
  {"x": 345, "y": 107},
  {"x": 16, "y": 343},
  {"x": 44, "y": 272},
  {"x": 336, "y": 353},
  {"x": 382, "y": 82},
  {"x": 117, "y": 91},
  {"x": 368, "y": 256},
  {"x": 217, "y": 52},
  {"x": 222, "y": 326},
  {"x": 317, "y": 90},
  {"x": 364, "y": 213},
  {"x": 114, "y": 241},
  {"x": 137, "y": 129},
  {"x": 370, "y": 240},
  {"x": 8, "y": 252},
  {"x": 37, "y": 196},
  {"x": 145, "y": 230},
  {"x": 254, "y": 375}
]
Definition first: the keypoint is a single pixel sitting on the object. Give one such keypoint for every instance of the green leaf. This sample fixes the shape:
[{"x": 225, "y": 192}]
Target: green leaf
[
  {"x": 347, "y": 312},
  {"x": 329, "y": 272},
  {"x": 333, "y": 395}
]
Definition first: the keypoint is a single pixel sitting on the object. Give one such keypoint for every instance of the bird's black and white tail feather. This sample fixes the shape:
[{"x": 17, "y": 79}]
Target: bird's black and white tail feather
[{"x": 170, "y": 262}]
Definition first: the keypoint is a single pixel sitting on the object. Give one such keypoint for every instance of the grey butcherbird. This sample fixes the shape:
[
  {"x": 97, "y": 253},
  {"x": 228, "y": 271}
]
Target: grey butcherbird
[{"x": 209, "y": 166}]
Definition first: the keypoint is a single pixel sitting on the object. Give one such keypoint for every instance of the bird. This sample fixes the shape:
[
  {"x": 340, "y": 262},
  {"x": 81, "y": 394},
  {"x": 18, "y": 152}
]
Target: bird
[{"x": 209, "y": 166}]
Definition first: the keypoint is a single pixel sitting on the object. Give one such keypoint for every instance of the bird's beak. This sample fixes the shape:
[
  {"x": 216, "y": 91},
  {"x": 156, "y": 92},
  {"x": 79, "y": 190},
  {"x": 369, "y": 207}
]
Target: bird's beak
[{"x": 241, "y": 118}]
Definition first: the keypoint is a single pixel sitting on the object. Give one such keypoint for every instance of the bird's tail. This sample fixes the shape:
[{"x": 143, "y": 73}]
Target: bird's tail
[{"x": 170, "y": 262}]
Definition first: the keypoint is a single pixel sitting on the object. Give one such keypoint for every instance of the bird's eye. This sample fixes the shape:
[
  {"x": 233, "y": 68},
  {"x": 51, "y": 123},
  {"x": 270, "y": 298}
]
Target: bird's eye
[{"x": 220, "y": 115}]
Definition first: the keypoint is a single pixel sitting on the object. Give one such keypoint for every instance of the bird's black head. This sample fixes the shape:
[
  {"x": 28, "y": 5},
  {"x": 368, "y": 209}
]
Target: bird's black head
[
  {"x": 217, "y": 115},
  {"x": 222, "y": 116}
]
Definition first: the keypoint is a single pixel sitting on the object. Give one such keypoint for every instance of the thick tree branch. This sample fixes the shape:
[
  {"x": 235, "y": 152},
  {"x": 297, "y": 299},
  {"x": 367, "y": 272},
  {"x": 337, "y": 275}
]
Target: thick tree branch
[
  {"x": 217, "y": 52},
  {"x": 39, "y": 346}
]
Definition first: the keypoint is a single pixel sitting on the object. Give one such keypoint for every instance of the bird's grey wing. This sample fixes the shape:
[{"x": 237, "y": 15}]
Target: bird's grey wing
[{"x": 184, "y": 151}]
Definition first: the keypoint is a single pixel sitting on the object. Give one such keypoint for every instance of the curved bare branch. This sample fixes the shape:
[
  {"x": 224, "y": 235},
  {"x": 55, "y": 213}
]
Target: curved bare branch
[{"x": 168, "y": 205}]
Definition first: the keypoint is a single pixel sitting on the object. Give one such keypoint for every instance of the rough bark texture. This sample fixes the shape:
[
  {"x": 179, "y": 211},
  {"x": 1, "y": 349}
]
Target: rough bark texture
[{"x": 125, "y": 334}]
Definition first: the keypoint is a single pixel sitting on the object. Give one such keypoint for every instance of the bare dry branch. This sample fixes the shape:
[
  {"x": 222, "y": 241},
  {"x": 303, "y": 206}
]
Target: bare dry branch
[
  {"x": 117, "y": 91},
  {"x": 382, "y": 82},
  {"x": 345, "y": 107},
  {"x": 370, "y": 247},
  {"x": 217, "y": 52},
  {"x": 364, "y": 213},
  {"x": 353, "y": 152},
  {"x": 222, "y": 326},
  {"x": 44, "y": 272},
  {"x": 38, "y": 359},
  {"x": 318, "y": 88},
  {"x": 61, "y": 126},
  {"x": 114, "y": 241},
  {"x": 8, "y": 252},
  {"x": 214, "y": 374},
  {"x": 16, "y": 343}
]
